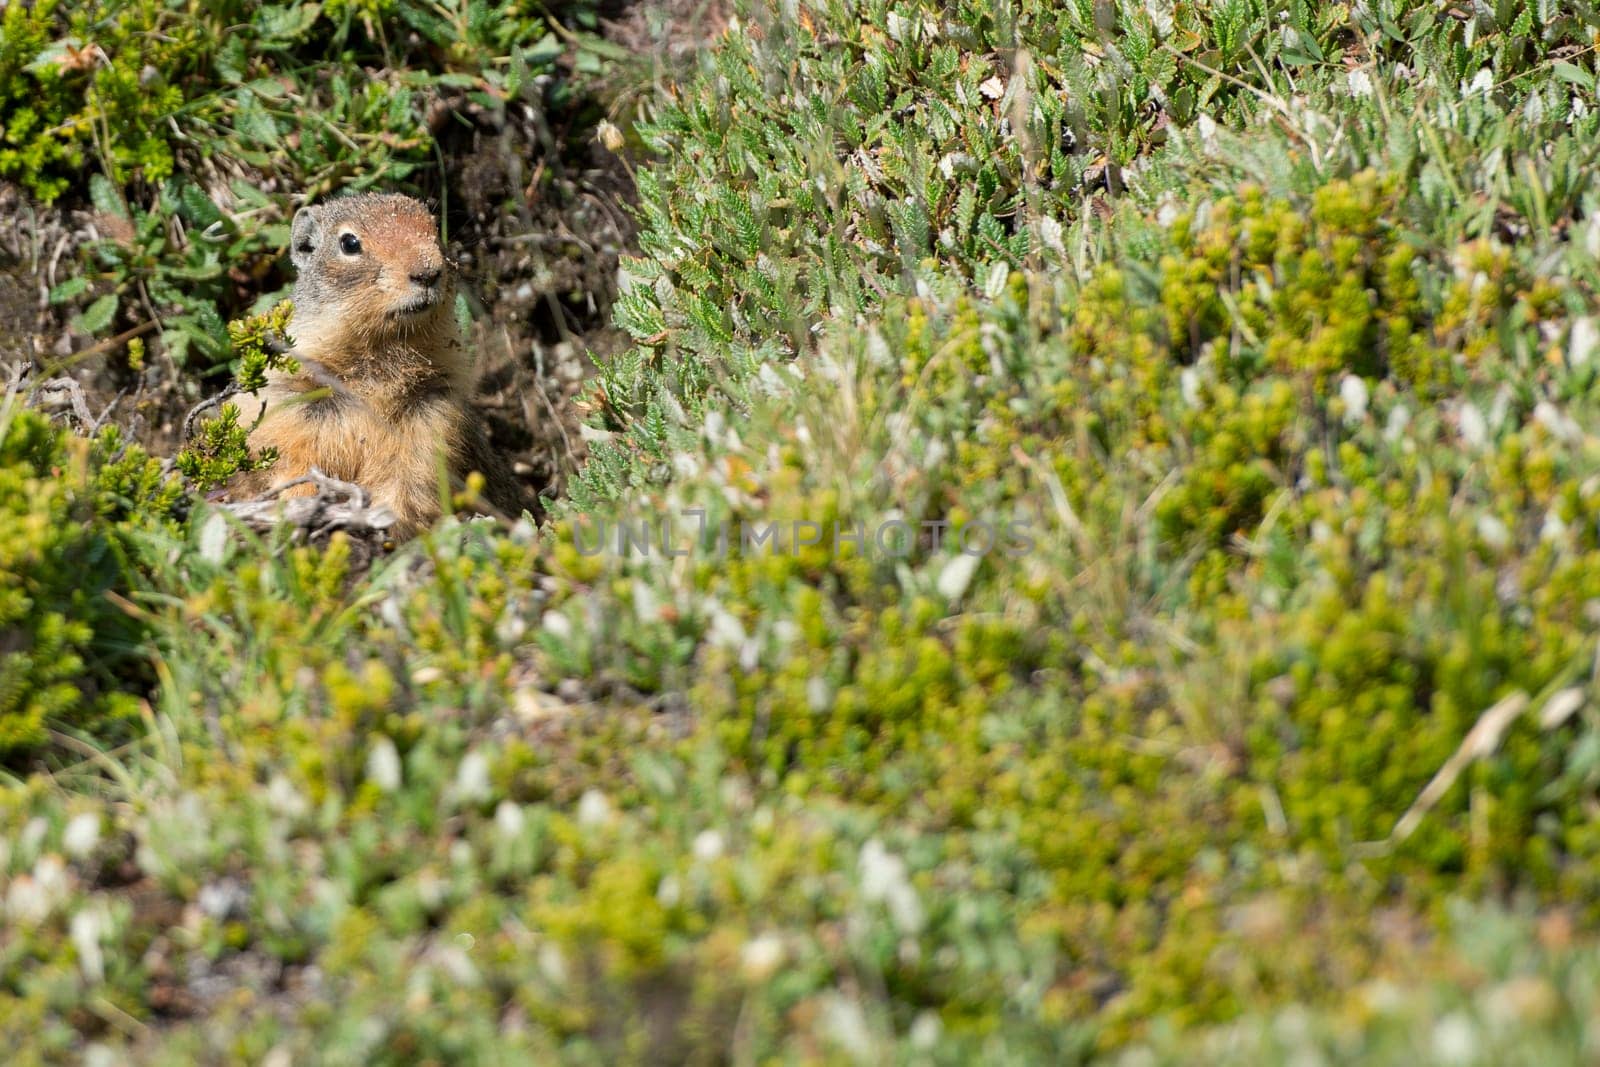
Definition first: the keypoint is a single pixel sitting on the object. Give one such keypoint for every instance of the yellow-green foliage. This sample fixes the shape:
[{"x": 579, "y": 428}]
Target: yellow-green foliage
[
  {"x": 1295, "y": 408},
  {"x": 61, "y": 637}
]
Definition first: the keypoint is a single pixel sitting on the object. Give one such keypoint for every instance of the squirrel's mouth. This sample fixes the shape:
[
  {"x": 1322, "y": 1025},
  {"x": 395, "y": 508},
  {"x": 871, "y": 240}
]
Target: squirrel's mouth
[{"x": 419, "y": 304}]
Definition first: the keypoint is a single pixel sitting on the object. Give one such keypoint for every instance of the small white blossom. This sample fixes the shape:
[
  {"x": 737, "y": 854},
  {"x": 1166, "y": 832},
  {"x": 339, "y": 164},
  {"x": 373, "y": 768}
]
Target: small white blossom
[
  {"x": 472, "y": 778},
  {"x": 1189, "y": 386},
  {"x": 214, "y": 538},
  {"x": 1455, "y": 1040},
  {"x": 1353, "y": 391},
  {"x": 956, "y": 575},
  {"x": 1050, "y": 236},
  {"x": 847, "y": 1025},
  {"x": 707, "y": 845},
  {"x": 1474, "y": 430},
  {"x": 285, "y": 799},
  {"x": 1582, "y": 341},
  {"x": 1553, "y": 528},
  {"x": 509, "y": 820},
  {"x": 1557, "y": 422},
  {"x": 1168, "y": 211},
  {"x": 552, "y": 964},
  {"x": 761, "y": 957},
  {"x": 81, "y": 835},
  {"x": 593, "y": 808},
  {"x": 884, "y": 878},
  {"x": 86, "y": 929},
  {"x": 383, "y": 765},
  {"x": 1493, "y": 532}
]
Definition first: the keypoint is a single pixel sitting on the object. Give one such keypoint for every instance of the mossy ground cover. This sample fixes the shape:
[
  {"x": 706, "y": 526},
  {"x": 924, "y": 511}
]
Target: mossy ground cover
[{"x": 1128, "y": 474}]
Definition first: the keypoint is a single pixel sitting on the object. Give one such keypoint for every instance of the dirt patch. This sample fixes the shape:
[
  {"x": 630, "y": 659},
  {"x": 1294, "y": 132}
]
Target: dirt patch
[{"x": 537, "y": 216}]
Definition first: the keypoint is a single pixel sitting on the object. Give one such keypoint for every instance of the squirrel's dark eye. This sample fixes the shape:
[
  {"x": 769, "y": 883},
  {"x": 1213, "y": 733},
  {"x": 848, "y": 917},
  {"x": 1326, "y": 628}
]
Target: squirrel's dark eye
[{"x": 350, "y": 244}]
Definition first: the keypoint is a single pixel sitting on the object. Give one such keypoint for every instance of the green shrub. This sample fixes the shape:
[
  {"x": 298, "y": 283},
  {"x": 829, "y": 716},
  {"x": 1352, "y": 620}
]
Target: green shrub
[{"x": 65, "y": 642}]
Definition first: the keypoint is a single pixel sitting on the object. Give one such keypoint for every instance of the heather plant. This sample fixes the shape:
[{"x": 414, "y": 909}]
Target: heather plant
[{"x": 69, "y": 651}]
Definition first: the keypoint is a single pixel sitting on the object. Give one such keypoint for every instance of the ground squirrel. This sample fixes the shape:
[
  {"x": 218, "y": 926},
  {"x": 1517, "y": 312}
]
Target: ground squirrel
[{"x": 384, "y": 377}]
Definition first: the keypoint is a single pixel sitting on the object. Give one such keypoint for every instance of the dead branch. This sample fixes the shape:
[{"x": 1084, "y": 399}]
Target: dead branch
[{"x": 336, "y": 505}]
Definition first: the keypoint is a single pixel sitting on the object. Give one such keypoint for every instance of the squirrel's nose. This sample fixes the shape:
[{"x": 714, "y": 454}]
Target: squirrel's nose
[{"x": 427, "y": 277}]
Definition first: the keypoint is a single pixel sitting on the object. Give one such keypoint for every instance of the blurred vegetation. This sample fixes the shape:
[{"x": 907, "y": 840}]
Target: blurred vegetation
[{"x": 1262, "y": 336}]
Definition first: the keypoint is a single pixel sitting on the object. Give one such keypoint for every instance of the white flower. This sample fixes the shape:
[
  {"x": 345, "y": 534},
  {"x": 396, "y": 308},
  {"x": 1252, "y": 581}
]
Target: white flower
[
  {"x": 1399, "y": 419},
  {"x": 1189, "y": 386},
  {"x": 995, "y": 283},
  {"x": 552, "y": 964},
  {"x": 593, "y": 808},
  {"x": 707, "y": 845},
  {"x": 472, "y": 778},
  {"x": 1474, "y": 430},
  {"x": 726, "y": 630},
  {"x": 1455, "y": 1040},
  {"x": 884, "y": 878},
  {"x": 383, "y": 765},
  {"x": 214, "y": 538},
  {"x": 285, "y": 799},
  {"x": 1360, "y": 82},
  {"x": 81, "y": 835},
  {"x": 509, "y": 820},
  {"x": 1582, "y": 341},
  {"x": 1168, "y": 212},
  {"x": 645, "y": 606},
  {"x": 1353, "y": 391},
  {"x": 1553, "y": 528},
  {"x": 1557, "y": 422},
  {"x": 761, "y": 957},
  {"x": 956, "y": 575},
  {"x": 925, "y": 1031},
  {"x": 847, "y": 1025},
  {"x": 1050, "y": 236},
  {"x": 1493, "y": 532},
  {"x": 86, "y": 929}
]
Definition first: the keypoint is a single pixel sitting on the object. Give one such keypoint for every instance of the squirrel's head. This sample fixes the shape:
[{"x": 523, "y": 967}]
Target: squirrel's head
[{"x": 371, "y": 264}]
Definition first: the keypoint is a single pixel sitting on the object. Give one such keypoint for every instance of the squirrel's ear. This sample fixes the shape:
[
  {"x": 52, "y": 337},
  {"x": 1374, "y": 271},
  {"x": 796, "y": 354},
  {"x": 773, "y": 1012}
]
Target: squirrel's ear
[{"x": 304, "y": 236}]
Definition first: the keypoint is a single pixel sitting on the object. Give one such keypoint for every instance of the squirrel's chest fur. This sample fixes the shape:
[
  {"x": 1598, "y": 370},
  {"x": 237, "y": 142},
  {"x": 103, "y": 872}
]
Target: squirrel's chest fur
[{"x": 394, "y": 438}]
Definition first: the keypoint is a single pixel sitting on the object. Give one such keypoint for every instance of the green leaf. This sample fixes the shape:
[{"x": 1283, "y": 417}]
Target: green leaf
[
  {"x": 69, "y": 289},
  {"x": 1573, "y": 74},
  {"x": 98, "y": 315},
  {"x": 196, "y": 207},
  {"x": 105, "y": 197}
]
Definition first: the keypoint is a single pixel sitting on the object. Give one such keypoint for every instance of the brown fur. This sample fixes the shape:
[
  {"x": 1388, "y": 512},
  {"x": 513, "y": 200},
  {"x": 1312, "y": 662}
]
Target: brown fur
[{"x": 381, "y": 396}]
